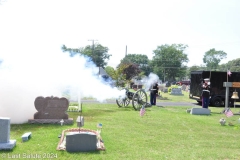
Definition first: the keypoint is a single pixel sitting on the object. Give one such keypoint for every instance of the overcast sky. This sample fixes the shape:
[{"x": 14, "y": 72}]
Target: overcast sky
[{"x": 31, "y": 27}]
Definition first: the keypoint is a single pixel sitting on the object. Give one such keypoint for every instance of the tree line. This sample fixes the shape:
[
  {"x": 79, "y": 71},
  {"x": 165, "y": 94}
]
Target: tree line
[{"x": 169, "y": 62}]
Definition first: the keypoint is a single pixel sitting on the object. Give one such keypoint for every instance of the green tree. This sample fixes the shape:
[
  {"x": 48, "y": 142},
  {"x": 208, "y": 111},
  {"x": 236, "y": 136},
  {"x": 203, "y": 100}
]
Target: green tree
[
  {"x": 212, "y": 58},
  {"x": 195, "y": 68},
  {"x": 109, "y": 70},
  {"x": 168, "y": 61},
  {"x": 130, "y": 70},
  {"x": 98, "y": 53},
  {"x": 118, "y": 74},
  {"x": 233, "y": 66},
  {"x": 141, "y": 60},
  {"x": 224, "y": 67}
]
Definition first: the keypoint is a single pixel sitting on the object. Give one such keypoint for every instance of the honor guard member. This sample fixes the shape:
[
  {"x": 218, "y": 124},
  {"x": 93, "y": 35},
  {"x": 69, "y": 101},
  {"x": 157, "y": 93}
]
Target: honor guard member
[
  {"x": 153, "y": 93},
  {"x": 205, "y": 93}
]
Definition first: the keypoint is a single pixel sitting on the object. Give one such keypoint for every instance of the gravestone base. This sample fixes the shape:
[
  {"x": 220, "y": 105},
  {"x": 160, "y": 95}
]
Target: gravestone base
[
  {"x": 51, "y": 121},
  {"x": 8, "y": 146},
  {"x": 200, "y": 111}
]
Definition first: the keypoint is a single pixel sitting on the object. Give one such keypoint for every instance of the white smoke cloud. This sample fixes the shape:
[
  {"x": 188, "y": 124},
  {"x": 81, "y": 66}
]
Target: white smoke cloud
[
  {"x": 25, "y": 75},
  {"x": 33, "y": 64},
  {"x": 148, "y": 81}
]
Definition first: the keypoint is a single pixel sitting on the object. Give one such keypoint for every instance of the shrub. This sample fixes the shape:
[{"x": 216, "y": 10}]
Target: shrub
[{"x": 172, "y": 86}]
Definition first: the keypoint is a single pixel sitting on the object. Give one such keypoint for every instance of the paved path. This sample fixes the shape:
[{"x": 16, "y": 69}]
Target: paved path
[{"x": 158, "y": 103}]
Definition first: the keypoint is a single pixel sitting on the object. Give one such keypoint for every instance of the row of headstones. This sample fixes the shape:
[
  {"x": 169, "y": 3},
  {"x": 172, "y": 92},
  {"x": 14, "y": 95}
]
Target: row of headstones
[
  {"x": 87, "y": 141},
  {"x": 54, "y": 107},
  {"x": 73, "y": 110},
  {"x": 49, "y": 108}
]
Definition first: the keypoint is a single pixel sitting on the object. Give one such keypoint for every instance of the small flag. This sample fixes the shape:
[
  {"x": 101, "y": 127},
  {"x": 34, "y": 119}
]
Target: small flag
[
  {"x": 229, "y": 73},
  {"x": 142, "y": 111},
  {"x": 99, "y": 125},
  {"x": 228, "y": 112}
]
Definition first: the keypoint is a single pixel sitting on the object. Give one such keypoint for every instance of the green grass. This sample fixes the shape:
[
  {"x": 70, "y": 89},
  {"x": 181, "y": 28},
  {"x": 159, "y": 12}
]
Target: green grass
[
  {"x": 162, "y": 133},
  {"x": 166, "y": 97}
]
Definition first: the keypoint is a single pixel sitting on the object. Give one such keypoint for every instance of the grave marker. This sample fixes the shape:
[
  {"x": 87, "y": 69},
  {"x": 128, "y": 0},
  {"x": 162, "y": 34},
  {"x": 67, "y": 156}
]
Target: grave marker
[
  {"x": 4, "y": 130},
  {"x": 81, "y": 142},
  {"x": 5, "y": 142},
  {"x": 51, "y": 110},
  {"x": 176, "y": 91},
  {"x": 200, "y": 111}
]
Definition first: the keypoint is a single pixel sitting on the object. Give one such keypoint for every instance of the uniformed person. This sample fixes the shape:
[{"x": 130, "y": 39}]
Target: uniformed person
[
  {"x": 205, "y": 93},
  {"x": 153, "y": 93}
]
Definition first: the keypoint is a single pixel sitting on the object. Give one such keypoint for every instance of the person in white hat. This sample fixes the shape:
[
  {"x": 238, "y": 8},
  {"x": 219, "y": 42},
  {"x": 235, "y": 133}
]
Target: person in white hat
[{"x": 205, "y": 93}]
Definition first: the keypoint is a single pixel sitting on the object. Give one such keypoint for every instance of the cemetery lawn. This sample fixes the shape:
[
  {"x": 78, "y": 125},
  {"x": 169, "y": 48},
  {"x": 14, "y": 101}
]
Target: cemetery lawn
[
  {"x": 167, "y": 97},
  {"x": 162, "y": 133}
]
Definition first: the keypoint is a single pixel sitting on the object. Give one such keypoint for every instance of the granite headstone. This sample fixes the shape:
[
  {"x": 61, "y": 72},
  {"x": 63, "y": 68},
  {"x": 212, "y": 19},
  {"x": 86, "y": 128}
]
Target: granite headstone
[
  {"x": 51, "y": 110},
  {"x": 5, "y": 142},
  {"x": 81, "y": 142},
  {"x": 176, "y": 91},
  {"x": 4, "y": 130},
  {"x": 200, "y": 111}
]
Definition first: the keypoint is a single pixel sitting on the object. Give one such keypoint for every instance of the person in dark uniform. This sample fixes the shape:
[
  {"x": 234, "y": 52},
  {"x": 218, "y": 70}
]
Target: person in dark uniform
[
  {"x": 205, "y": 93},
  {"x": 153, "y": 93}
]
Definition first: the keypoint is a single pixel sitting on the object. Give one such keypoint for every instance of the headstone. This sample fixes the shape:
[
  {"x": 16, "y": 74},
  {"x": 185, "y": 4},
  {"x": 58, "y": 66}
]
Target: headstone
[
  {"x": 188, "y": 110},
  {"x": 176, "y": 91},
  {"x": 51, "y": 110},
  {"x": 137, "y": 86},
  {"x": 187, "y": 88},
  {"x": 5, "y": 142},
  {"x": 81, "y": 142},
  {"x": 184, "y": 87},
  {"x": 80, "y": 121},
  {"x": 200, "y": 111},
  {"x": 4, "y": 130},
  {"x": 165, "y": 90},
  {"x": 26, "y": 136}
]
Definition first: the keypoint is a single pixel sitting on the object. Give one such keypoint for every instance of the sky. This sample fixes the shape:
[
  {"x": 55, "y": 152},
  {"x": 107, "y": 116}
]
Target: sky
[
  {"x": 140, "y": 25},
  {"x": 33, "y": 31}
]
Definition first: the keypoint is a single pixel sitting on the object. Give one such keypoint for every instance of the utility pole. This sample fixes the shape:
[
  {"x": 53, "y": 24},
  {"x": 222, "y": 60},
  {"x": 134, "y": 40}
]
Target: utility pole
[
  {"x": 126, "y": 51},
  {"x": 94, "y": 59}
]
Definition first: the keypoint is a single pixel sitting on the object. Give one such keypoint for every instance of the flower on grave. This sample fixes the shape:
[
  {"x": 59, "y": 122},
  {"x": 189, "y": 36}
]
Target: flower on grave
[{"x": 222, "y": 121}]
